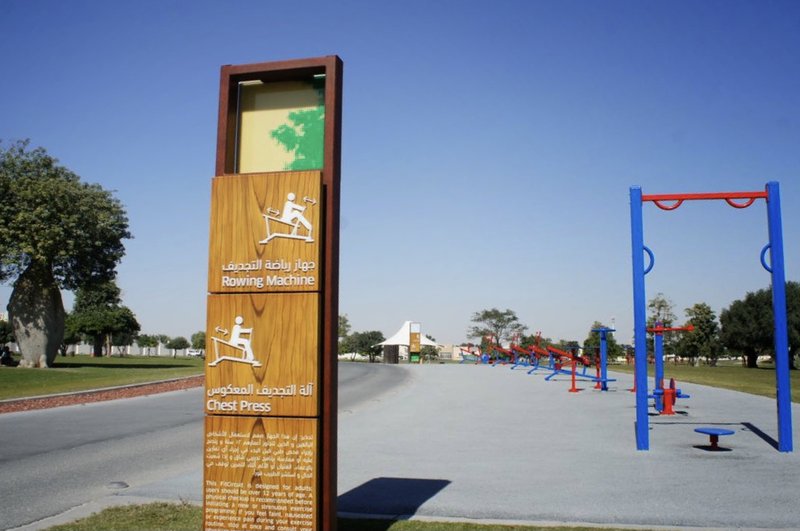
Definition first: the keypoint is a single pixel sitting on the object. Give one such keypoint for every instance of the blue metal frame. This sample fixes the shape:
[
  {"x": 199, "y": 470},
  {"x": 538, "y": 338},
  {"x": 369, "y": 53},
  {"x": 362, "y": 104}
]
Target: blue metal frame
[
  {"x": 776, "y": 268},
  {"x": 639, "y": 319},
  {"x": 782, "y": 383}
]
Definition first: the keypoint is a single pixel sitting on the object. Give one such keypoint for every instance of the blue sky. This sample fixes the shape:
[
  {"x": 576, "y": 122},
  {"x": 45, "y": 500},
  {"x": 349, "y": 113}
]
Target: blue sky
[{"x": 488, "y": 146}]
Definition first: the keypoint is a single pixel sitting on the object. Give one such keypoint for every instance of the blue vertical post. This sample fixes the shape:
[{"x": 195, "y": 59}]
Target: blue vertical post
[
  {"x": 782, "y": 383},
  {"x": 639, "y": 320},
  {"x": 658, "y": 354},
  {"x": 604, "y": 355},
  {"x": 604, "y": 359}
]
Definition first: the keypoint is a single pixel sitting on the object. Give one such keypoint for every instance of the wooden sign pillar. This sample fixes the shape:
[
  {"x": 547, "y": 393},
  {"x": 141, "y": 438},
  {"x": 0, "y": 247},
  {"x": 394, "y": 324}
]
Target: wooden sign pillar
[
  {"x": 272, "y": 313},
  {"x": 414, "y": 345}
]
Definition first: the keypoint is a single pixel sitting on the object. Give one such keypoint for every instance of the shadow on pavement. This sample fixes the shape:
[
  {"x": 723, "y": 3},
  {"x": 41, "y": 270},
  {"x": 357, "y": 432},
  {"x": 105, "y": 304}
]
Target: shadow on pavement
[
  {"x": 766, "y": 438},
  {"x": 709, "y": 448},
  {"x": 390, "y": 496}
]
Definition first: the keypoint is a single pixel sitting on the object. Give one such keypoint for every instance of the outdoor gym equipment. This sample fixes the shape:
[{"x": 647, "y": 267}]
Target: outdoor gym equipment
[
  {"x": 528, "y": 356},
  {"x": 560, "y": 356},
  {"x": 470, "y": 355},
  {"x": 659, "y": 393},
  {"x": 775, "y": 267},
  {"x": 665, "y": 398},
  {"x": 603, "y": 366},
  {"x": 495, "y": 355},
  {"x": 714, "y": 435},
  {"x": 537, "y": 353},
  {"x": 522, "y": 357},
  {"x": 502, "y": 355},
  {"x": 658, "y": 349}
]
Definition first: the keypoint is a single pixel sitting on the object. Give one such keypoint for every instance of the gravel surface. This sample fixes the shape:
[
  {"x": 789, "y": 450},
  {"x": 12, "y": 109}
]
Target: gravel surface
[{"x": 100, "y": 395}]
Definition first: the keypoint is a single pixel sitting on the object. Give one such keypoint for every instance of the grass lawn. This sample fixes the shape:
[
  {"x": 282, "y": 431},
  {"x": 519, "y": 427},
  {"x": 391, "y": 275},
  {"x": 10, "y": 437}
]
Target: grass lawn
[
  {"x": 185, "y": 517},
  {"x": 84, "y": 372},
  {"x": 759, "y": 381}
]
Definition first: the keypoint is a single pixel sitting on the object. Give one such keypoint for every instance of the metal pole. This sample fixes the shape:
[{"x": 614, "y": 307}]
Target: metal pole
[
  {"x": 604, "y": 355},
  {"x": 782, "y": 382},
  {"x": 604, "y": 360},
  {"x": 658, "y": 354},
  {"x": 639, "y": 319}
]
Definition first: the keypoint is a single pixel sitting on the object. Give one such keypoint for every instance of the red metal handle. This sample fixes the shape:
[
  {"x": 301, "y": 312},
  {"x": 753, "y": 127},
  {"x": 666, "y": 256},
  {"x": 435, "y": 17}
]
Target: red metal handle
[
  {"x": 660, "y": 329},
  {"x": 728, "y": 197}
]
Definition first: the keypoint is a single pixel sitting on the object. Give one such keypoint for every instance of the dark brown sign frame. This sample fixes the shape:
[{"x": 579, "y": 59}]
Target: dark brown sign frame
[{"x": 331, "y": 68}]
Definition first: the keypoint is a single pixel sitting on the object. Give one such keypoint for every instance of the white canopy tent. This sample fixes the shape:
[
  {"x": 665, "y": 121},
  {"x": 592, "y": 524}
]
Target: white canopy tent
[{"x": 403, "y": 338}]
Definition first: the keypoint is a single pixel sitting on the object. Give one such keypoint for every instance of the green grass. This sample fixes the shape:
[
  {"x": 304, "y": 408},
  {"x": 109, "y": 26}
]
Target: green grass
[
  {"x": 153, "y": 516},
  {"x": 80, "y": 373},
  {"x": 185, "y": 517},
  {"x": 415, "y": 525},
  {"x": 759, "y": 381}
]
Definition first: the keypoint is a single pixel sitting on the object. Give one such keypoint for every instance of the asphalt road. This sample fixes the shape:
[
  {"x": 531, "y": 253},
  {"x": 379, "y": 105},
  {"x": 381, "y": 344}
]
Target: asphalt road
[{"x": 57, "y": 459}]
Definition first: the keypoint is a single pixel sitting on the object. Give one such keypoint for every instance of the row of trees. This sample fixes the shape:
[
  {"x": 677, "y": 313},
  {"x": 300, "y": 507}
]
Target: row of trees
[
  {"x": 745, "y": 329},
  {"x": 117, "y": 339},
  {"x": 496, "y": 326},
  {"x": 362, "y": 343}
]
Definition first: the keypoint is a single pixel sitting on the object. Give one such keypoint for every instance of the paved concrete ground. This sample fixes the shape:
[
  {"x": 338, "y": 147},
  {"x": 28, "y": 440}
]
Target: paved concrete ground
[
  {"x": 484, "y": 443},
  {"x": 491, "y": 443}
]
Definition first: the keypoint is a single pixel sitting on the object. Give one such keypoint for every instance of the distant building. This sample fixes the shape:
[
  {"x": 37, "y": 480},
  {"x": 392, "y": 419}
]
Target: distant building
[{"x": 133, "y": 350}]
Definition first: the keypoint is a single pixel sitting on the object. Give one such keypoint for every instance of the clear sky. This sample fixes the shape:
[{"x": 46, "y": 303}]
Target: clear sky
[{"x": 488, "y": 146}]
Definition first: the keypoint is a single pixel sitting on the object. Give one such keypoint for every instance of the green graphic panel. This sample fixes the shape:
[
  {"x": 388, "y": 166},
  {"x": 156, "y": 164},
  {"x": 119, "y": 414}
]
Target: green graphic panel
[{"x": 281, "y": 126}]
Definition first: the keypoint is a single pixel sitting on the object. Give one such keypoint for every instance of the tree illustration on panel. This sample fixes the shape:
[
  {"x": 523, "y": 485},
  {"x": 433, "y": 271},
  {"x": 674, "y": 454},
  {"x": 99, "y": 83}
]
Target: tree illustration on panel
[{"x": 304, "y": 136}]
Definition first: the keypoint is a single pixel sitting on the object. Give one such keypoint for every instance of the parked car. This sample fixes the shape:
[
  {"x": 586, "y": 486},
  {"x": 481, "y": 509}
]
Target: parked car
[{"x": 197, "y": 353}]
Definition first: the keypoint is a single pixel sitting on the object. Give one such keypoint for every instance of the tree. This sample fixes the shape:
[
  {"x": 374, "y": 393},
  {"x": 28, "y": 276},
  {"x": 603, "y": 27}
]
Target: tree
[
  {"x": 345, "y": 347},
  {"x": 535, "y": 339},
  {"x": 162, "y": 340},
  {"x": 748, "y": 327},
  {"x": 661, "y": 311},
  {"x": 176, "y": 344},
  {"x": 793, "y": 320},
  {"x": 592, "y": 342},
  {"x": 72, "y": 335},
  {"x": 199, "y": 340},
  {"x": 6, "y": 333},
  {"x": 568, "y": 345},
  {"x": 124, "y": 339},
  {"x": 146, "y": 342},
  {"x": 304, "y": 136},
  {"x": 99, "y": 315},
  {"x": 55, "y": 233},
  {"x": 428, "y": 352},
  {"x": 344, "y": 325},
  {"x": 365, "y": 343},
  {"x": 703, "y": 341},
  {"x": 500, "y": 325}
]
